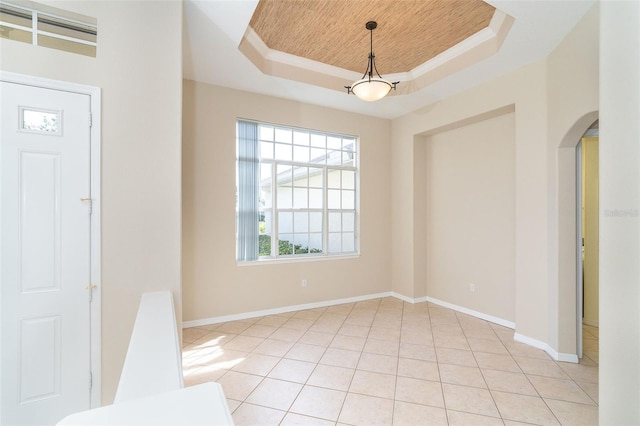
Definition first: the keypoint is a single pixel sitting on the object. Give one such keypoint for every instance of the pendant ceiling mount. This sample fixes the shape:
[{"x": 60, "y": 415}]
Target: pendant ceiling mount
[{"x": 371, "y": 87}]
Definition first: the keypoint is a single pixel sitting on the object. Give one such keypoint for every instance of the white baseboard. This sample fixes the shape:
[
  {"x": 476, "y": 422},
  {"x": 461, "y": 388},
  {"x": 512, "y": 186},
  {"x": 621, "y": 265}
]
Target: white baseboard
[
  {"x": 509, "y": 324},
  {"x": 408, "y": 299},
  {"x": 276, "y": 311},
  {"x": 545, "y": 347},
  {"x": 490, "y": 318}
]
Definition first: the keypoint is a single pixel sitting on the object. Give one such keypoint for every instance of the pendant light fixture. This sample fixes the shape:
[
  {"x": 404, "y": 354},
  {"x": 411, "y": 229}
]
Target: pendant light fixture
[{"x": 369, "y": 87}]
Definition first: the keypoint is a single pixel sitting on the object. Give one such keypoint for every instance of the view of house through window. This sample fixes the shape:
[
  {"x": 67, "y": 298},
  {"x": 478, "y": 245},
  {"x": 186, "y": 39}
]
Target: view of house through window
[{"x": 296, "y": 192}]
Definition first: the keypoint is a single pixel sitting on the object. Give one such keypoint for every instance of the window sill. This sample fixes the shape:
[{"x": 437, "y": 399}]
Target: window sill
[{"x": 281, "y": 260}]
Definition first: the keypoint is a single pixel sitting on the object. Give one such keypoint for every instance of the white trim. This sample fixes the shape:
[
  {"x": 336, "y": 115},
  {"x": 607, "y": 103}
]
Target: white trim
[
  {"x": 490, "y": 318},
  {"x": 67, "y": 38},
  {"x": 95, "y": 132},
  {"x": 579, "y": 253},
  {"x": 563, "y": 357},
  {"x": 573, "y": 358},
  {"x": 276, "y": 311},
  {"x": 408, "y": 299},
  {"x": 296, "y": 259}
]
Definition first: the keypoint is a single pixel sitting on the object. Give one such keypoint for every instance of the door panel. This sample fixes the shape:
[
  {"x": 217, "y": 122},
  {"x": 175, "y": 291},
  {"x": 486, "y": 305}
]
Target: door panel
[
  {"x": 45, "y": 253},
  {"x": 39, "y": 177}
]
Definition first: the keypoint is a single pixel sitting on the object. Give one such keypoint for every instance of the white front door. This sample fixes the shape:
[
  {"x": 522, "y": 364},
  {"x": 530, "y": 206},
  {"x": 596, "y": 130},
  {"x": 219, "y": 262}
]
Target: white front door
[{"x": 45, "y": 253}]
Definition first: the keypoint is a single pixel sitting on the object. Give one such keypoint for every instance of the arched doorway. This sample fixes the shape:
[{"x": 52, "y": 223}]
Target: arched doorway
[{"x": 569, "y": 241}]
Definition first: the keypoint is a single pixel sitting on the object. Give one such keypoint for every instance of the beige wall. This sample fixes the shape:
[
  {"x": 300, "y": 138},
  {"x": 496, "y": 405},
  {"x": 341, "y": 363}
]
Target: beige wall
[
  {"x": 553, "y": 104},
  {"x": 573, "y": 107},
  {"x": 619, "y": 233},
  {"x": 214, "y": 285},
  {"x": 138, "y": 68},
  {"x": 470, "y": 218}
]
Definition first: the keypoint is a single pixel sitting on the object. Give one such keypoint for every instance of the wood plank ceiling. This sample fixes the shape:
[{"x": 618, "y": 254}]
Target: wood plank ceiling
[{"x": 409, "y": 32}]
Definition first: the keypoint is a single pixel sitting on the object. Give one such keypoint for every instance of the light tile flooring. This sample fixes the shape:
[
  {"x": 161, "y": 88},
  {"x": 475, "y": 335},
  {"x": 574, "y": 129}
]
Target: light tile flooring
[{"x": 387, "y": 362}]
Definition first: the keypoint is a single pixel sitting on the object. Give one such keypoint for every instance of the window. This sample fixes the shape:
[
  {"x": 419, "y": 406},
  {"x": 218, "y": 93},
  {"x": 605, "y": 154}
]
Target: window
[
  {"x": 297, "y": 192},
  {"x": 50, "y": 27}
]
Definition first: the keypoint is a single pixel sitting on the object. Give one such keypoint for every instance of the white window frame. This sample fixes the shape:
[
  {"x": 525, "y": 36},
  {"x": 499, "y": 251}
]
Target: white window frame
[{"x": 325, "y": 210}]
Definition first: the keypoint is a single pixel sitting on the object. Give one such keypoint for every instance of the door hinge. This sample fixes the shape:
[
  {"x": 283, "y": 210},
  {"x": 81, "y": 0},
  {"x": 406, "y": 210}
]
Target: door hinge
[
  {"x": 90, "y": 287},
  {"x": 90, "y": 120},
  {"x": 90, "y": 201},
  {"x": 90, "y": 380}
]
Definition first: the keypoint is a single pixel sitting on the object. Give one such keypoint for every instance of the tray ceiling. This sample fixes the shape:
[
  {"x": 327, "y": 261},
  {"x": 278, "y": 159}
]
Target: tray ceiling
[{"x": 409, "y": 33}]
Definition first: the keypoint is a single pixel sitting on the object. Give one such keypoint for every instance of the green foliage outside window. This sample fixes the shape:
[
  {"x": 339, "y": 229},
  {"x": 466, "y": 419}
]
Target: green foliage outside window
[{"x": 284, "y": 247}]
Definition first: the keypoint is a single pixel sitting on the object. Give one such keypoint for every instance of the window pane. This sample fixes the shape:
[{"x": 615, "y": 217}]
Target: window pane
[
  {"x": 318, "y": 141},
  {"x": 348, "y": 242},
  {"x": 283, "y": 152},
  {"x": 300, "y": 154},
  {"x": 265, "y": 197},
  {"x": 300, "y": 176},
  {"x": 348, "y": 179},
  {"x": 300, "y": 198},
  {"x": 301, "y": 243},
  {"x": 334, "y": 157},
  {"x": 284, "y": 135},
  {"x": 265, "y": 226},
  {"x": 285, "y": 244},
  {"x": 315, "y": 198},
  {"x": 335, "y": 243},
  {"x": 348, "y": 222},
  {"x": 348, "y": 144},
  {"x": 284, "y": 197},
  {"x": 315, "y": 242},
  {"x": 315, "y": 222},
  {"x": 265, "y": 133},
  {"x": 333, "y": 198},
  {"x": 266, "y": 150},
  {"x": 334, "y": 142},
  {"x": 315, "y": 178},
  {"x": 284, "y": 174},
  {"x": 335, "y": 222},
  {"x": 264, "y": 245},
  {"x": 265, "y": 173},
  {"x": 348, "y": 200},
  {"x": 347, "y": 158},
  {"x": 301, "y": 138},
  {"x": 41, "y": 121},
  {"x": 318, "y": 156},
  {"x": 285, "y": 222},
  {"x": 301, "y": 222},
  {"x": 333, "y": 179}
]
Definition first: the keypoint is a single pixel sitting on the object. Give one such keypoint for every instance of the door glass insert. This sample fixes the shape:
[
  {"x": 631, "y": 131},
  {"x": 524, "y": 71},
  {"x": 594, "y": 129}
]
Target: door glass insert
[{"x": 41, "y": 121}]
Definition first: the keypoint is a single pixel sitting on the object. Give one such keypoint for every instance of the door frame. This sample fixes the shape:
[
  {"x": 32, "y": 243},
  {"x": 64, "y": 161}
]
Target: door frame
[
  {"x": 94, "y": 94},
  {"x": 579, "y": 252}
]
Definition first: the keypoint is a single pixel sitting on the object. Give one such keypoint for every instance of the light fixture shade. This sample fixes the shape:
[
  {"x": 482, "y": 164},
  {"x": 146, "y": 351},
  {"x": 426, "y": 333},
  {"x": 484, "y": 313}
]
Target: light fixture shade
[{"x": 371, "y": 88}]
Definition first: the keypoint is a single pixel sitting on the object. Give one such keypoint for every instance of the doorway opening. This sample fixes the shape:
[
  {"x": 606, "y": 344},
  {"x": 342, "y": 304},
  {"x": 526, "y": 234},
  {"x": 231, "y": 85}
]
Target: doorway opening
[{"x": 587, "y": 242}]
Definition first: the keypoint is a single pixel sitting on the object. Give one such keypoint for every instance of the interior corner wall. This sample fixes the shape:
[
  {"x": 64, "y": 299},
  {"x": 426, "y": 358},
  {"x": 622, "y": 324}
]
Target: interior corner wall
[
  {"x": 138, "y": 68},
  {"x": 572, "y": 89},
  {"x": 522, "y": 92},
  {"x": 619, "y": 151},
  {"x": 471, "y": 216},
  {"x": 554, "y": 100},
  {"x": 215, "y": 284},
  {"x": 420, "y": 211}
]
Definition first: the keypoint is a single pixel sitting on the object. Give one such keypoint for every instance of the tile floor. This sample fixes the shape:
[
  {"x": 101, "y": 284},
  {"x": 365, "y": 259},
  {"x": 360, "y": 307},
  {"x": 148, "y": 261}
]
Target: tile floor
[{"x": 387, "y": 362}]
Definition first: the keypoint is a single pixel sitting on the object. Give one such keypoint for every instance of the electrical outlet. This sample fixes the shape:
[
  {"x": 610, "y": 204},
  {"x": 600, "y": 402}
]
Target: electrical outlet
[
  {"x": 472, "y": 287},
  {"x": 304, "y": 283}
]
